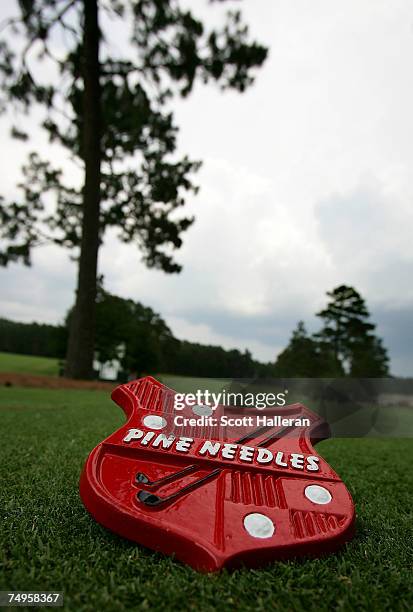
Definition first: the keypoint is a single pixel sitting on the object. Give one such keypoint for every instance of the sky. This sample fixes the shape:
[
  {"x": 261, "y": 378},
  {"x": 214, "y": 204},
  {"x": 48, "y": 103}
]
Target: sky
[{"x": 306, "y": 184}]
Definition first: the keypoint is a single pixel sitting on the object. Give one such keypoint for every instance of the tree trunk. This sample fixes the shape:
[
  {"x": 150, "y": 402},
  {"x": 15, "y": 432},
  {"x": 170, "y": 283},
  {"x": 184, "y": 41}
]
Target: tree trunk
[{"x": 82, "y": 328}]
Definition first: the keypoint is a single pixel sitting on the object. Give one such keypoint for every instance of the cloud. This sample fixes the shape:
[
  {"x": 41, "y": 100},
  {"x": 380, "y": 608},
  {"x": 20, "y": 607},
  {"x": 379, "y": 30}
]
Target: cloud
[
  {"x": 367, "y": 234},
  {"x": 42, "y": 292}
]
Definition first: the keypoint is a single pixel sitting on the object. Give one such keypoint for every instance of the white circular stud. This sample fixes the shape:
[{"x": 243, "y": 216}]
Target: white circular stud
[
  {"x": 259, "y": 525},
  {"x": 154, "y": 421},
  {"x": 317, "y": 494},
  {"x": 202, "y": 410}
]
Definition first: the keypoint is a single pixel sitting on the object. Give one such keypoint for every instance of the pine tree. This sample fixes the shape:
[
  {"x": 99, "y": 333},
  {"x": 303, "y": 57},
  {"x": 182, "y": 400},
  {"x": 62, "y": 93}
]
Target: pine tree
[
  {"x": 111, "y": 112},
  {"x": 348, "y": 332},
  {"x": 306, "y": 357}
]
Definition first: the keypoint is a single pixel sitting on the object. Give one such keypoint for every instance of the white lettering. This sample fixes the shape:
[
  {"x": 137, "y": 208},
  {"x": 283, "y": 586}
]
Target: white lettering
[
  {"x": 184, "y": 444},
  {"x": 209, "y": 447},
  {"x": 179, "y": 403},
  {"x": 166, "y": 441},
  {"x": 279, "y": 459},
  {"x": 264, "y": 455},
  {"x": 228, "y": 452},
  {"x": 281, "y": 399},
  {"x": 297, "y": 461},
  {"x": 133, "y": 434},
  {"x": 190, "y": 399},
  {"x": 148, "y": 437},
  {"x": 246, "y": 453},
  {"x": 312, "y": 463}
]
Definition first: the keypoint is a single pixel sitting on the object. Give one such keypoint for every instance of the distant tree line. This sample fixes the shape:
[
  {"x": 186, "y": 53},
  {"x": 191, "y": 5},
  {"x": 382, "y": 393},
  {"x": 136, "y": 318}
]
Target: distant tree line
[
  {"x": 32, "y": 339},
  {"x": 139, "y": 338},
  {"x": 346, "y": 344}
]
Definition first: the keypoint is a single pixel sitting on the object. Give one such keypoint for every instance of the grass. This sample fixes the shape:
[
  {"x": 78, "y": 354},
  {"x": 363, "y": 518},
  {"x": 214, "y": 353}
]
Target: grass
[
  {"x": 28, "y": 364},
  {"x": 49, "y": 366},
  {"x": 190, "y": 384},
  {"x": 49, "y": 541}
]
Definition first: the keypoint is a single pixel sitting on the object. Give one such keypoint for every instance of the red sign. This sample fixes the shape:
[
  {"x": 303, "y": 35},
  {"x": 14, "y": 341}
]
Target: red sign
[{"x": 216, "y": 495}]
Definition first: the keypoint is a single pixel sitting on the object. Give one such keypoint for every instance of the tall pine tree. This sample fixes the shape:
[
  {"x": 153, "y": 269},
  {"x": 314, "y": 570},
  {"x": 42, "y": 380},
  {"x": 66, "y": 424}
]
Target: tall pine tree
[
  {"x": 348, "y": 332},
  {"x": 108, "y": 105}
]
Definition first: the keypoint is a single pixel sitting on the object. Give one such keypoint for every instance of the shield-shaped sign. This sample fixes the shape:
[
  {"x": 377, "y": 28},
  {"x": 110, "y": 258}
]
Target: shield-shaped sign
[{"x": 215, "y": 495}]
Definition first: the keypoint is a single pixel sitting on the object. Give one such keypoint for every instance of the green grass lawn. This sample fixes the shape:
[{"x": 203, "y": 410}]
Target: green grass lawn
[
  {"x": 191, "y": 384},
  {"x": 28, "y": 364},
  {"x": 49, "y": 366},
  {"x": 50, "y": 542}
]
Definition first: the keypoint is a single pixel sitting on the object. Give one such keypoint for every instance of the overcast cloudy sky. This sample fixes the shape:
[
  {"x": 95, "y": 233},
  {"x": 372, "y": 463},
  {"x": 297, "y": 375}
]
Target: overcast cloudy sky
[{"x": 307, "y": 183}]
